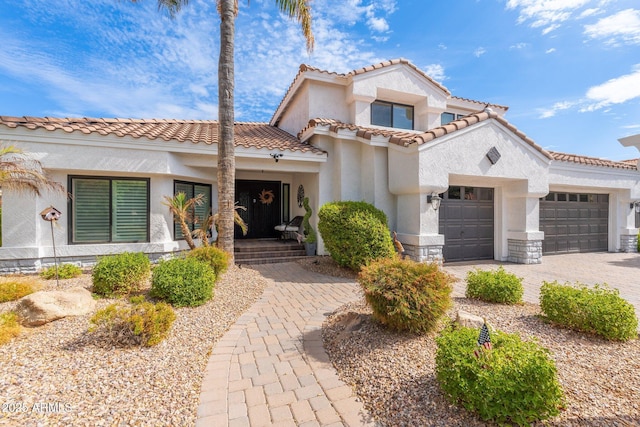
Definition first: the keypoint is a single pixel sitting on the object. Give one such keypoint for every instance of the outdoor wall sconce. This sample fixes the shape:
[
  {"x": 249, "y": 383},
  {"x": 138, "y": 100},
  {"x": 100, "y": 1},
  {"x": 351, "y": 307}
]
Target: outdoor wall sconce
[
  {"x": 276, "y": 156},
  {"x": 435, "y": 200},
  {"x": 635, "y": 205}
]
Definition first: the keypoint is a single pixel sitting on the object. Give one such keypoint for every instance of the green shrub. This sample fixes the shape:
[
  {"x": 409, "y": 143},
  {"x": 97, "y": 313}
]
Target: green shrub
[
  {"x": 309, "y": 232},
  {"x": 120, "y": 274},
  {"x": 514, "y": 382},
  {"x": 406, "y": 295},
  {"x": 9, "y": 326},
  {"x": 599, "y": 310},
  {"x": 183, "y": 282},
  {"x": 215, "y": 257},
  {"x": 495, "y": 286},
  {"x": 65, "y": 271},
  {"x": 14, "y": 288},
  {"x": 355, "y": 233},
  {"x": 141, "y": 323}
]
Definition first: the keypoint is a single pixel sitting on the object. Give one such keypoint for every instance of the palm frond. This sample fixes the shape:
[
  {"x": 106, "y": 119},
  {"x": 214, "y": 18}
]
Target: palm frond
[{"x": 22, "y": 173}]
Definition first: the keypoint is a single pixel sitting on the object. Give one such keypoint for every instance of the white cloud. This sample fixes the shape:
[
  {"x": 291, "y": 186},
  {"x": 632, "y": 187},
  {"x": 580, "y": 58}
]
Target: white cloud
[
  {"x": 378, "y": 24},
  {"x": 550, "y": 28},
  {"x": 558, "y": 106},
  {"x": 621, "y": 27},
  {"x": 545, "y": 13},
  {"x": 589, "y": 12},
  {"x": 435, "y": 71},
  {"x": 148, "y": 66},
  {"x": 520, "y": 45},
  {"x": 615, "y": 91},
  {"x": 479, "y": 52},
  {"x": 553, "y": 49}
]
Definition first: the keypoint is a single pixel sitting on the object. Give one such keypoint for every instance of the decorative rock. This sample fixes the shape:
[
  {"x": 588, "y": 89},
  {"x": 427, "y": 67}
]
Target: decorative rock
[
  {"x": 469, "y": 320},
  {"x": 46, "y": 306}
]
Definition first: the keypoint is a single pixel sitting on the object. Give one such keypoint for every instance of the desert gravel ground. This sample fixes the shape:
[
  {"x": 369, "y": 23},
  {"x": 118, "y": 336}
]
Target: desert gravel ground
[
  {"x": 394, "y": 373},
  {"x": 59, "y": 375}
]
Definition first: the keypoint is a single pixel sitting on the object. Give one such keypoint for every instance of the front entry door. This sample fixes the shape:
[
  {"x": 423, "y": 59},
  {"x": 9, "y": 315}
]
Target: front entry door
[{"x": 262, "y": 200}]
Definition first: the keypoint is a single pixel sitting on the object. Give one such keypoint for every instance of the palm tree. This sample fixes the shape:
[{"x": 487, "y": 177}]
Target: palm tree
[
  {"x": 183, "y": 213},
  {"x": 211, "y": 221},
  {"x": 228, "y": 10},
  {"x": 22, "y": 173}
]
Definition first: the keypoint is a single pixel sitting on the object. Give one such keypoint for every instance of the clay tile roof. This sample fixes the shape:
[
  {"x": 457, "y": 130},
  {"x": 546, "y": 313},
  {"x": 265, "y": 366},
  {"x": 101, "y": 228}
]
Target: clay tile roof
[
  {"x": 249, "y": 135},
  {"x": 594, "y": 161},
  {"x": 633, "y": 162},
  {"x": 405, "y": 138},
  {"x": 394, "y": 62},
  {"x": 504, "y": 107},
  {"x": 304, "y": 68}
]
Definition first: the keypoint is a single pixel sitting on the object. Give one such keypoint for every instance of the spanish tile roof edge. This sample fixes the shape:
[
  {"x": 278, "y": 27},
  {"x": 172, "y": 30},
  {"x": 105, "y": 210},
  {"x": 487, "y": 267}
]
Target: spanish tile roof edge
[
  {"x": 488, "y": 104},
  {"x": 248, "y": 134},
  {"x": 594, "y": 161},
  {"x": 406, "y": 139},
  {"x": 305, "y": 67}
]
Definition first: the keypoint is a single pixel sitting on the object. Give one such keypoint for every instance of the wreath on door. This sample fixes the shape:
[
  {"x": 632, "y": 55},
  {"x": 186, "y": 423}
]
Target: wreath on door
[{"x": 266, "y": 197}]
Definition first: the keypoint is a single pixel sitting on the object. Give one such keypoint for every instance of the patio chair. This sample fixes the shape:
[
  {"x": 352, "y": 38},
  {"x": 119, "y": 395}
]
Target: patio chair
[{"x": 289, "y": 230}]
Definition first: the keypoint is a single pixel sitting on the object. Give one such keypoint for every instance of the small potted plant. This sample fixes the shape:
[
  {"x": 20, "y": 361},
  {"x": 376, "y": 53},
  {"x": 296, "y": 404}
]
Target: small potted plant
[{"x": 310, "y": 237}]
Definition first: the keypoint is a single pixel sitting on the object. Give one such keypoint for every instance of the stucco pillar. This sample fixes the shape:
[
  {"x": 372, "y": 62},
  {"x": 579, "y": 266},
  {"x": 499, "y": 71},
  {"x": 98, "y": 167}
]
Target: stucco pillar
[
  {"x": 418, "y": 228},
  {"x": 628, "y": 231},
  {"x": 524, "y": 238}
]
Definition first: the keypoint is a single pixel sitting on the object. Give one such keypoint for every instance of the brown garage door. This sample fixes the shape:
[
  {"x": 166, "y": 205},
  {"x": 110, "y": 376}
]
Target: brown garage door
[
  {"x": 466, "y": 220},
  {"x": 574, "y": 222}
]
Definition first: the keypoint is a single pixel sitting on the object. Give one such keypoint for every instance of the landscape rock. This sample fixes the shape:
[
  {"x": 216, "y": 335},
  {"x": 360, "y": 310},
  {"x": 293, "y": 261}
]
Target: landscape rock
[
  {"x": 464, "y": 318},
  {"x": 46, "y": 306}
]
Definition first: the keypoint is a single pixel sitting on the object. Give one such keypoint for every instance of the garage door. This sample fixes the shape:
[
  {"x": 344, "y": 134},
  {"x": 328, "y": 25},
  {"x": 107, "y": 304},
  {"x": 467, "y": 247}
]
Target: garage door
[
  {"x": 466, "y": 220},
  {"x": 574, "y": 222}
]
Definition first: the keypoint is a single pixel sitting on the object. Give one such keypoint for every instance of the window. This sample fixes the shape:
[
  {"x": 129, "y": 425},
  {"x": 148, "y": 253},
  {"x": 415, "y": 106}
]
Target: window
[
  {"x": 392, "y": 115},
  {"x": 192, "y": 189},
  {"x": 449, "y": 117},
  {"x": 286, "y": 190},
  {"x": 109, "y": 210}
]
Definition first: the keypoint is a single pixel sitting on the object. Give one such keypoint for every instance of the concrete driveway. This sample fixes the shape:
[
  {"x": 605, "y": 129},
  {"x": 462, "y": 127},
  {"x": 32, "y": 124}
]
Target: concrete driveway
[{"x": 618, "y": 270}]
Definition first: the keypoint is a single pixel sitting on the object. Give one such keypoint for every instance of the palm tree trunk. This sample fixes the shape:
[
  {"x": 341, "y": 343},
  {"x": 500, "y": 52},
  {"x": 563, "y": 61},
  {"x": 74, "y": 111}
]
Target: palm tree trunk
[{"x": 226, "y": 156}]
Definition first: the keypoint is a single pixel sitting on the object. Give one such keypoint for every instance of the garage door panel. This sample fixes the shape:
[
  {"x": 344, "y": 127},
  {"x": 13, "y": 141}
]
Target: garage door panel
[
  {"x": 467, "y": 224},
  {"x": 574, "y": 226}
]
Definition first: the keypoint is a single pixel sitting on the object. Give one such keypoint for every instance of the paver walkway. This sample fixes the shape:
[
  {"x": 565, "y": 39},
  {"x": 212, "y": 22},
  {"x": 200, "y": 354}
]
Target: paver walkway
[{"x": 270, "y": 368}]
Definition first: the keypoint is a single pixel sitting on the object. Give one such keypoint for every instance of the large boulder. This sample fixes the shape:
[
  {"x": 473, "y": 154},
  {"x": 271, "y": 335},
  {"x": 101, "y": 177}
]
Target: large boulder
[{"x": 46, "y": 306}]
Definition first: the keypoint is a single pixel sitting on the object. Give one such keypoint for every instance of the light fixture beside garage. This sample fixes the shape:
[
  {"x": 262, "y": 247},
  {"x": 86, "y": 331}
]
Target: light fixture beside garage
[
  {"x": 635, "y": 205},
  {"x": 493, "y": 155},
  {"x": 435, "y": 200},
  {"x": 276, "y": 156}
]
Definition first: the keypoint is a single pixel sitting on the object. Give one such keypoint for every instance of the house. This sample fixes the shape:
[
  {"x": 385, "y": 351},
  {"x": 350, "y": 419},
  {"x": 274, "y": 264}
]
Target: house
[{"x": 455, "y": 178}]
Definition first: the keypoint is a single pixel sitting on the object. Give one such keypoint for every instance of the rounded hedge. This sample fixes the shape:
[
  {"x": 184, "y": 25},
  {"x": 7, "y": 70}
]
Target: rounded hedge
[
  {"x": 215, "y": 257},
  {"x": 120, "y": 274},
  {"x": 183, "y": 282},
  {"x": 405, "y": 295},
  {"x": 514, "y": 382},
  {"x": 599, "y": 310},
  {"x": 494, "y": 286},
  {"x": 355, "y": 233}
]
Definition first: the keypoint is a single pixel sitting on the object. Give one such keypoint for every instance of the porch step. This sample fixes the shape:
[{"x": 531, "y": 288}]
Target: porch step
[{"x": 267, "y": 251}]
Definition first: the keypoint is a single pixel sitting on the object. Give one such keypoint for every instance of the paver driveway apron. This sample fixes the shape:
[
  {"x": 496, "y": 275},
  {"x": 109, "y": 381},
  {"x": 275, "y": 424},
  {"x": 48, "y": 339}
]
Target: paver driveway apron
[
  {"x": 618, "y": 270},
  {"x": 270, "y": 368}
]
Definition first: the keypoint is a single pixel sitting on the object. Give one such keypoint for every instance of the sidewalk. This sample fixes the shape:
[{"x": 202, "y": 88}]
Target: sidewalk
[{"x": 270, "y": 368}]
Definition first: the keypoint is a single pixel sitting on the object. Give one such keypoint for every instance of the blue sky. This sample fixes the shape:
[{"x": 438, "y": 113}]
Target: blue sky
[{"x": 568, "y": 69}]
